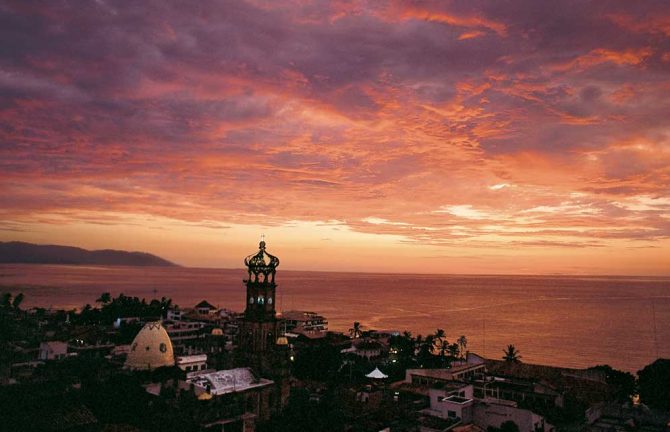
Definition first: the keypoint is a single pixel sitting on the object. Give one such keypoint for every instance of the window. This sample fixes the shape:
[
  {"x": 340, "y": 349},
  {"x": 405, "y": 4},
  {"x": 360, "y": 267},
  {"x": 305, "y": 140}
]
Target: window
[
  {"x": 451, "y": 414},
  {"x": 163, "y": 347}
]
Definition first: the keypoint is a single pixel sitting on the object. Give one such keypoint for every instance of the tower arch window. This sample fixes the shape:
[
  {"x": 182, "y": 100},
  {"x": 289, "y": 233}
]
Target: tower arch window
[{"x": 261, "y": 300}]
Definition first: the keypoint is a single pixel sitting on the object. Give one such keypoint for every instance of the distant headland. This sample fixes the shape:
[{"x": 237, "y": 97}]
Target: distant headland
[{"x": 16, "y": 252}]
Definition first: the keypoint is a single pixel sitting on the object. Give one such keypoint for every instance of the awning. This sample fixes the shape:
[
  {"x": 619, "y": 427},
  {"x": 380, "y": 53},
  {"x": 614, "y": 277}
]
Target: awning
[{"x": 376, "y": 374}]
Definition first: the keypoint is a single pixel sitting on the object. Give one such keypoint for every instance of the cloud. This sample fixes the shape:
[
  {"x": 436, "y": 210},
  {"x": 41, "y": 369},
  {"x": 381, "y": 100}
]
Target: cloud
[{"x": 472, "y": 123}]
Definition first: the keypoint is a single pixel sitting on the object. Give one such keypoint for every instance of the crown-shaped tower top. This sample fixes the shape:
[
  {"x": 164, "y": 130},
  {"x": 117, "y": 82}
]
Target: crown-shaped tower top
[{"x": 262, "y": 264}]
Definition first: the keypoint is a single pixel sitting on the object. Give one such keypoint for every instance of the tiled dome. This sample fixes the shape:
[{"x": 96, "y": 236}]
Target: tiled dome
[{"x": 151, "y": 348}]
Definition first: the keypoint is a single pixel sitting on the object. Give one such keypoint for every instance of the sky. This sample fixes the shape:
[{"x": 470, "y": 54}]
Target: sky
[{"x": 511, "y": 136}]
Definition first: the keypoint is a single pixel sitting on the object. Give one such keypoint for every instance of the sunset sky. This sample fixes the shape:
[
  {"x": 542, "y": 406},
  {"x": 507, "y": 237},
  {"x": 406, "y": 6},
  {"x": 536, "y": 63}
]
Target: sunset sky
[{"x": 517, "y": 136}]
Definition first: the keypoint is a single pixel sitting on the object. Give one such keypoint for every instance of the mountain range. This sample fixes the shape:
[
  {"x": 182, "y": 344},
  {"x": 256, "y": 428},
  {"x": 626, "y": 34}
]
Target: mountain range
[{"x": 16, "y": 252}]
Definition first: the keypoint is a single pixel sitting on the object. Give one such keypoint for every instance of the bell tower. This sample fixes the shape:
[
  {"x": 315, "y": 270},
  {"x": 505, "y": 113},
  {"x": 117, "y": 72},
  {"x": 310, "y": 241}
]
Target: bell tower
[
  {"x": 260, "y": 344},
  {"x": 259, "y": 329}
]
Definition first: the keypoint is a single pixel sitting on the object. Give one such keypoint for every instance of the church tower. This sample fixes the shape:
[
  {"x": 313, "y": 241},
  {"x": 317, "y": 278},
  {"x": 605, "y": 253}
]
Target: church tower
[
  {"x": 259, "y": 328},
  {"x": 260, "y": 343}
]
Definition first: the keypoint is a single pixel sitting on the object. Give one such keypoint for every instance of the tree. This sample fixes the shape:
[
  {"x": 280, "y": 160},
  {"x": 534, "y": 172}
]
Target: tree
[
  {"x": 620, "y": 384},
  {"x": 104, "y": 298},
  {"x": 403, "y": 347},
  {"x": 424, "y": 348},
  {"x": 319, "y": 362},
  {"x": 509, "y": 426},
  {"x": 355, "y": 332},
  {"x": 440, "y": 344},
  {"x": 453, "y": 349},
  {"x": 6, "y": 300},
  {"x": 511, "y": 354},
  {"x": 462, "y": 345},
  {"x": 654, "y": 382},
  {"x": 16, "y": 304}
]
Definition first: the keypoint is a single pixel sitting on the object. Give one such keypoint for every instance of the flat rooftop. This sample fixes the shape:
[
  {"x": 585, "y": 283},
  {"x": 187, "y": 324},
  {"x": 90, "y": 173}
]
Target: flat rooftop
[{"x": 228, "y": 381}]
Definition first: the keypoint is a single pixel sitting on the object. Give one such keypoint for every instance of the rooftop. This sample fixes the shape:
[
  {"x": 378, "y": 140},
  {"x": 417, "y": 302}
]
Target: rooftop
[
  {"x": 191, "y": 358},
  {"x": 228, "y": 381},
  {"x": 300, "y": 315},
  {"x": 205, "y": 304}
]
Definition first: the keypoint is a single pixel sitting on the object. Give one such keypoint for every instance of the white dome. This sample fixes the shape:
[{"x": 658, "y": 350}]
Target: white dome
[{"x": 151, "y": 348}]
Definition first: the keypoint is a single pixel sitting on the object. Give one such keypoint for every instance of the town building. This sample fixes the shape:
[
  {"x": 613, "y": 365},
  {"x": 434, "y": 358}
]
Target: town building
[
  {"x": 254, "y": 398},
  {"x": 303, "y": 322},
  {"x": 205, "y": 308},
  {"x": 192, "y": 363},
  {"x": 53, "y": 350},
  {"x": 186, "y": 336},
  {"x": 457, "y": 372},
  {"x": 367, "y": 348},
  {"x": 453, "y": 407}
]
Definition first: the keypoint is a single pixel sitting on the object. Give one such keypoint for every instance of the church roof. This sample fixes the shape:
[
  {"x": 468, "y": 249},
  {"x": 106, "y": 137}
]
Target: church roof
[{"x": 151, "y": 348}]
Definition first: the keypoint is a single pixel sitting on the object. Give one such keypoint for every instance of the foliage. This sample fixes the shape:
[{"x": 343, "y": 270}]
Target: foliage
[
  {"x": 462, "y": 345},
  {"x": 511, "y": 354},
  {"x": 317, "y": 362},
  {"x": 654, "y": 384},
  {"x": 621, "y": 384},
  {"x": 508, "y": 426},
  {"x": 440, "y": 344},
  {"x": 16, "y": 303},
  {"x": 122, "y": 307},
  {"x": 356, "y": 332},
  {"x": 303, "y": 414},
  {"x": 6, "y": 301}
]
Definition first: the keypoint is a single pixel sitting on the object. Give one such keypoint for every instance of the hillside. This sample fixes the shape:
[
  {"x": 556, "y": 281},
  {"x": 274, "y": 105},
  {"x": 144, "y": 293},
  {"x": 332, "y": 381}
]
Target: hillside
[{"x": 29, "y": 253}]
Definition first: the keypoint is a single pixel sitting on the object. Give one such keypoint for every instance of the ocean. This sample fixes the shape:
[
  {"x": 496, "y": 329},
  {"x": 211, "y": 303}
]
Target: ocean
[{"x": 570, "y": 321}]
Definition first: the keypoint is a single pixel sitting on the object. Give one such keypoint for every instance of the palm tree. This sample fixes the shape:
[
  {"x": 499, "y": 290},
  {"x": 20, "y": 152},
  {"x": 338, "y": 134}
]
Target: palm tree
[
  {"x": 355, "y": 332},
  {"x": 453, "y": 349},
  {"x": 440, "y": 344},
  {"x": 511, "y": 354},
  {"x": 462, "y": 345},
  {"x": 425, "y": 350}
]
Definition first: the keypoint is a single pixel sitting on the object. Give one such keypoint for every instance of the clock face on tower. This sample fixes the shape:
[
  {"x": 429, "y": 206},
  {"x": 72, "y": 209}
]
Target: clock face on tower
[
  {"x": 269, "y": 300},
  {"x": 251, "y": 300}
]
